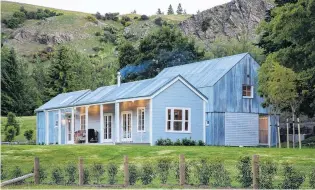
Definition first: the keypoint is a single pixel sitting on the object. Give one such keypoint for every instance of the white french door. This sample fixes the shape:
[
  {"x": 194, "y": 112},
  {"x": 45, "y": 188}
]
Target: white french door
[
  {"x": 126, "y": 119},
  {"x": 69, "y": 131},
  {"x": 108, "y": 127}
]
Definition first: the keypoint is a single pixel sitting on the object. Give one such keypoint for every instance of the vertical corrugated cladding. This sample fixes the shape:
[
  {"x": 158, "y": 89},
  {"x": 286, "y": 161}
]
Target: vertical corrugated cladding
[
  {"x": 215, "y": 129},
  {"x": 40, "y": 124},
  {"x": 227, "y": 92}
]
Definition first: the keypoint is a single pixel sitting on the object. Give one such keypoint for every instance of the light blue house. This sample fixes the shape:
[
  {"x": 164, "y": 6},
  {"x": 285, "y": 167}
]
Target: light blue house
[{"x": 214, "y": 101}]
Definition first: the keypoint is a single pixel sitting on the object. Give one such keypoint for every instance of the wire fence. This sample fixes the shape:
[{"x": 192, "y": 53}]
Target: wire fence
[{"x": 167, "y": 172}]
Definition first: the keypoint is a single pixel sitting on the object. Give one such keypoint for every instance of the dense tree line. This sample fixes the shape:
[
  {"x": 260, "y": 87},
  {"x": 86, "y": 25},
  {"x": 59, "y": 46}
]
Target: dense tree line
[
  {"x": 23, "y": 89},
  {"x": 288, "y": 40}
]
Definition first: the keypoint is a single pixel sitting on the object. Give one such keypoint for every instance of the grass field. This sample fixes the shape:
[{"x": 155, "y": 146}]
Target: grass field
[
  {"x": 26, "y": 123},
  {"x": 54, "y": 155}
]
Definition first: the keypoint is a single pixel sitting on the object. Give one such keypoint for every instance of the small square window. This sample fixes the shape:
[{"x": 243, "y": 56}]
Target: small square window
[{"x": 247, "y": 91}]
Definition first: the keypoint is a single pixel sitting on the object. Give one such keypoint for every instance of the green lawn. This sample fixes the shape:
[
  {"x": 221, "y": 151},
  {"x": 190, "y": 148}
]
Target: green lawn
[
  {"x": 26, "y": 123},
  {"x": 53, "y": 156}
]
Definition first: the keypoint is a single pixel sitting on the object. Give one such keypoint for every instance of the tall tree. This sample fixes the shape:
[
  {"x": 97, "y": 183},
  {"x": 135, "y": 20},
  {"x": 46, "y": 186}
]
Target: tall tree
[
  {"x": 170, "y": 10},
  {"x": 179, "y": 9},
  {"x": 16, "y": 91},
  {"x": 127, "y": 54},
  {"x": 159, "y": 12},
  {"x": 60, "y": 72},
  {"x": 289, "y": 37}
]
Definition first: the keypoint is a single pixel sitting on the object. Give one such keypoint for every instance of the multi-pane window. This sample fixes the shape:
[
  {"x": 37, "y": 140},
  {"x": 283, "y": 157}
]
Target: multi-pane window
[
  {"x": 140, "y": 117},
  {"x": 82, "y": 121},
  {"x": 178, "y": 119},
  {"x": 247, "y": 91}
]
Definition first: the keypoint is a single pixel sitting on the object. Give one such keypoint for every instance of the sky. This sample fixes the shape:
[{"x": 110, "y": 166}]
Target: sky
[{"x": 148, "y": 7}]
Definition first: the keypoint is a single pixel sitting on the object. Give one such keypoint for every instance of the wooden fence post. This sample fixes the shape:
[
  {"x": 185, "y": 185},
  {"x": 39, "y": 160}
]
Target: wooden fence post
[
  {"x": 36, "y": 170},
  {"x": 81, "y": 171},
  {"x": 182, "y": 169},
  {"x": 255, "y": 168},
  {"x": 126, "y": 171}
]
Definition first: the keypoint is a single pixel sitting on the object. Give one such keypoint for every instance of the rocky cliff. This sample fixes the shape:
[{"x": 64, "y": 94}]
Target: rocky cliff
[{"x": 233, "y": 19}]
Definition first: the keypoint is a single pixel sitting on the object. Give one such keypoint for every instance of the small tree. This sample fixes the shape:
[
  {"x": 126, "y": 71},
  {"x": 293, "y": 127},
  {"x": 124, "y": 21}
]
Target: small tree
[
  {"x": 11, "y": 121},
  {"x": 179, "y": 9},
  {"x": 28, "y": 134},
  {"x": 10, "y": 134},
  {"x": 159, "y": 12},
  {"x": 170, "y": 10}
]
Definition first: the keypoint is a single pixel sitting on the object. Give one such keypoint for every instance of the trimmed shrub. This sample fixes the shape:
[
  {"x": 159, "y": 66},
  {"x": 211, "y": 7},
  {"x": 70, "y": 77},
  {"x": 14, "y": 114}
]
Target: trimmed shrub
[
  {"x": 144, "y": 17},
  {"x": 312, "y": 179},
  {"x": 220, "y": 175},
  {"x": 163, "y": 167},
  {"x": 42, "y": 174},
  {"x": 292, "y": 178},
  {"x": 147, "y": 174},
  {"x": 244, "y": 171},
  {"x": 201, "y": 143},
  {"x": 86, "y": 176},
  {"x": 97, "y": 171},
  {"x": 57, "y": 176},
  {"x": 71, "y": 172},
  {"x": 112, "y": 173},
  {"x": 203, "y": 172},
  {"x": 187, "y": 170},
  {"x": 267, "y": 173},
  {"x": 188, "y": 142},
  {"x": 133, "y": 174},
  {"x": 10, "y": 133},
  {"x": 177, "y": 143}
]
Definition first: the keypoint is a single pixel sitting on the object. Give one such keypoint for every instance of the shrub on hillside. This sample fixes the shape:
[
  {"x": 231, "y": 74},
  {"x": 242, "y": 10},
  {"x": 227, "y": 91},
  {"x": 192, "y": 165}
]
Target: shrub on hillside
[
  {"x": 292, "y": 179},
  {"x": 97, "y": 33},
  {"x": 245, "y": 171},
  {"x": 91, "y": 18},
  {"x": 144, "y": 17},
  {"x": 135, "y": 18},
  {"x": 99, "y": 16},
  {"x": 267, "y": 173},
  {"x": 158, "y": 21}
]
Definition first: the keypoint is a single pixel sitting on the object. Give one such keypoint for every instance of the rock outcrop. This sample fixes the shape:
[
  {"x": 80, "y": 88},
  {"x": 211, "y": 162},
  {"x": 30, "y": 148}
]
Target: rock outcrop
[{"x": 233, "y": 19}]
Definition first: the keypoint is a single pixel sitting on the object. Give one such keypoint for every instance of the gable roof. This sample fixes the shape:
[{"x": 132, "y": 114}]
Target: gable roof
[
  {"x": 203, "y": 73},
  {"x": 143, "y": 88}
]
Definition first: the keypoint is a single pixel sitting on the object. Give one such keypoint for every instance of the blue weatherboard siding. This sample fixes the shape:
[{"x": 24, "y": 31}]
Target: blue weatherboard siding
[{"x": 177, "y": 95}]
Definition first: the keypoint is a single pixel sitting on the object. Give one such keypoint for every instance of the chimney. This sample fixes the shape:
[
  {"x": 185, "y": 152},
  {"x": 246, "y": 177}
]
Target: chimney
[{"x": 118, "y": 78}]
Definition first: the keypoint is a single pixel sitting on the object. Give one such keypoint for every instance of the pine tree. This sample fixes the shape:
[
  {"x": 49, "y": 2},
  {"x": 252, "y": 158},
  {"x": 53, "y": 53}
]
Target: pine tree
[
  {"x": 170, "y": 10},
  {"x": 179, "y": 9},
  {"x": 159, "y": 12},
  {"x": 60, "y": 73}
]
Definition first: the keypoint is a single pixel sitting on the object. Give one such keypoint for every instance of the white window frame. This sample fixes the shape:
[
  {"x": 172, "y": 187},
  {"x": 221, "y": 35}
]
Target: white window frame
[
  {"x": 183, "y": 119},
  {"x": 83, "y": 122},
  {"x": 141, "y": 108},
  {"x": 112, "y": 127},
  {"x": 251, "y": 91}
]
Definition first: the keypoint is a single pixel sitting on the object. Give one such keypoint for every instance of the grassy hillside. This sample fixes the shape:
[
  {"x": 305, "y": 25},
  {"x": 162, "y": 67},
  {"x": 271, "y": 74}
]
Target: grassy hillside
[
  {"x": 72, "y": 24},
  {"x": 54, "y": 156},
  {"x": 27, "y": 123}
]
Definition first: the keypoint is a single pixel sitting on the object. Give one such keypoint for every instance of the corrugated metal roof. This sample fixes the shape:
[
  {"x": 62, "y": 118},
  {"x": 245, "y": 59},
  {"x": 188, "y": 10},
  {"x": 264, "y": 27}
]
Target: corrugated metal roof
[
  {"x": 63, "y": 100},
  {"x": 198, "y": 74},
  {"x": 203, "y": 73}
]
